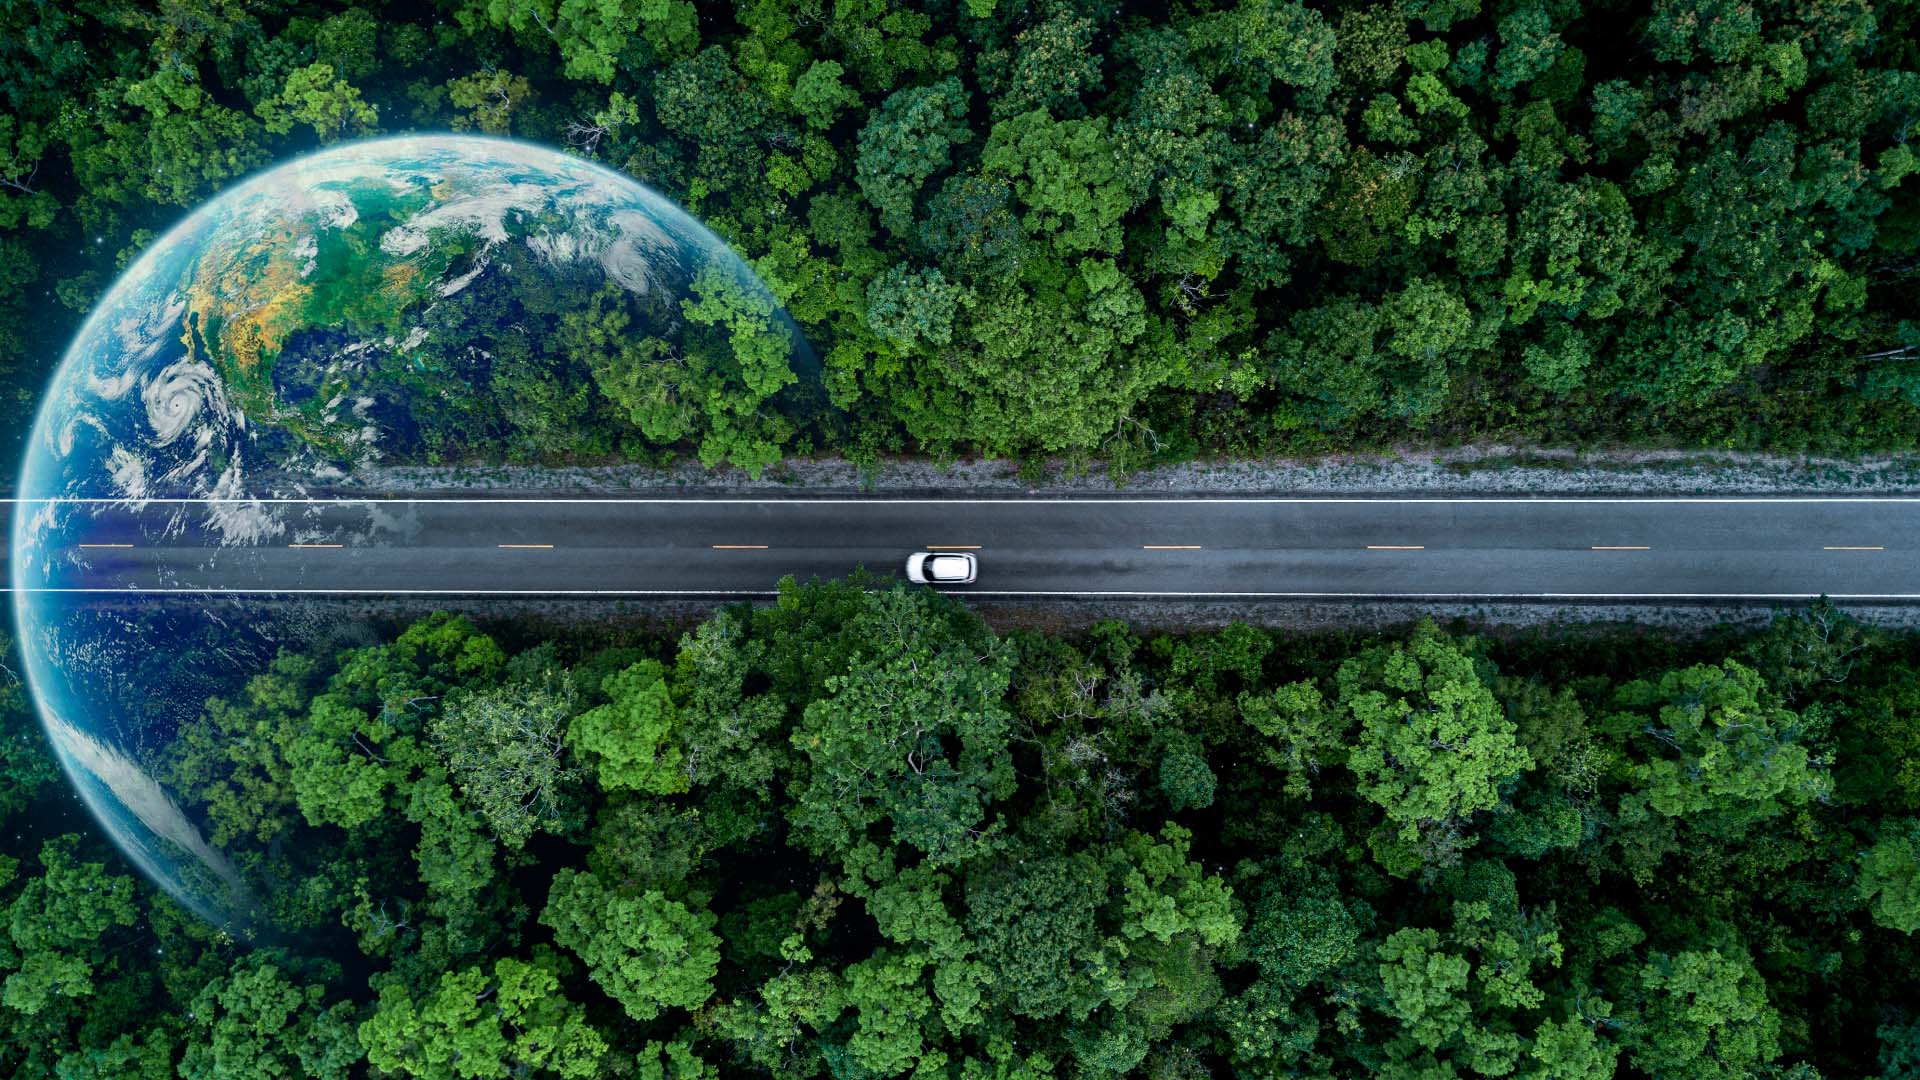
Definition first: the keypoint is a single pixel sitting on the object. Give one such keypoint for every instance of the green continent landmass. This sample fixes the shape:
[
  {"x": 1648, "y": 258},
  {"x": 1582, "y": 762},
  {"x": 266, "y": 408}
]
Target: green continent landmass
[{"x": 248, "y": 296}]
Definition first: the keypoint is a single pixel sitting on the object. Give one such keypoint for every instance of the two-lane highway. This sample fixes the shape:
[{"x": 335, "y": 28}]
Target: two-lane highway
[{"x": 1545, "y": 549}]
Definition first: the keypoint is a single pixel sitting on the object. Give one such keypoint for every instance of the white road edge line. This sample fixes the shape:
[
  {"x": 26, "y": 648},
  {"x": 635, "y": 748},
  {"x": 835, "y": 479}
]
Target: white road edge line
[{"x": 990, "y": 592}]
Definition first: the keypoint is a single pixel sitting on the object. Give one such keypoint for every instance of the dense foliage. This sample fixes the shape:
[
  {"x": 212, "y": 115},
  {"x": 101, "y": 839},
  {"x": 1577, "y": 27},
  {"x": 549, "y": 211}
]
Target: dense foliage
[
  {"x": 1098, "y": 228},
  {"x": 857, "y": 834}
]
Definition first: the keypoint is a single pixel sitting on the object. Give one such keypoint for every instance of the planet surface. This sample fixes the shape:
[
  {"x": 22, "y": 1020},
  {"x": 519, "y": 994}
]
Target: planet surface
[{"x": 414, "y": 300}]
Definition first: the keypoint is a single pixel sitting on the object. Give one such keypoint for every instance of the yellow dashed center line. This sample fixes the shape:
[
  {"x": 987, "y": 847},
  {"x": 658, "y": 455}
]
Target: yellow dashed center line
[{"x": 740, "y": 547}]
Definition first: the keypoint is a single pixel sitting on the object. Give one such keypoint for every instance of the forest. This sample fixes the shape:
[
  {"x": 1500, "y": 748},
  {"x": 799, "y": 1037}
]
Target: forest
[
  {"x": 1101, "y": 230},
  {"x": 858, "y": 834}
]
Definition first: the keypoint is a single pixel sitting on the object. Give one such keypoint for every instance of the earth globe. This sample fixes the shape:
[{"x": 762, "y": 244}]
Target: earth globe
[{"x": 416, "y": 299}]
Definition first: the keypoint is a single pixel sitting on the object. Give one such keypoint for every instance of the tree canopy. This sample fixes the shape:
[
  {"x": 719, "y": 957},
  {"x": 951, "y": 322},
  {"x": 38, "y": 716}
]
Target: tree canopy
[
  {"x": 857, "y": 832},
  {"x": 1125, "y": 231}
]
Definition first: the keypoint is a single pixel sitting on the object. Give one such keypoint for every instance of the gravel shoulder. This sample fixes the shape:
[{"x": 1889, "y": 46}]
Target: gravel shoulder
[
  {"x": 354, "y": 617},
  {"x": 1486, "y": 469}
]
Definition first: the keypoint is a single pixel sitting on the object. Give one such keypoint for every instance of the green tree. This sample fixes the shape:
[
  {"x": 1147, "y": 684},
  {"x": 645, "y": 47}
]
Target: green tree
[
  {"x": 1069, "y": 176},
  {"x": 1889, "y": 878},
  {"x": 22, "y": 147},
  {"x": 1185, "y": 777},
  {"x": 1804, "y": 652},
  {"x": 734, "y": 739},
  {"x": 174, "y": 149},
  {"x": 1033, "y": 923},
  {"x": 1271, "y": 191},
  {"x": 505, "y": 747},
  {"x": 909, "y": 306},
  {"x": 749, "y": 364},
  {"x": 909, "y": 139},
  {"x": 125, "y": 1058},
  {"x": 1467, "y": 995},
  {"x": 1165, "y": 894},
  {"x": 1572, "y": 1050},
  {"x": 1727, "y": 32},
  {"x": 62, "y": 928},
  {"x": 1257, "y": 44},
  {"x": 913, "y": 734},
  {"x": 891, "y": 1011},
  {"x": 26, "y": 766},
  {"x": 1032, "y": 381},
  {"x": 232, "y": 764},
  {"x": 630, "y": 739},
  {"x": 1373, "y": 44},
  {"x": 349, "y": 42},
  {"x": 488, "y": 99},
  {"x": 703, "y": 98},
  {"x": 819, "y": 96},
  {"x": 647, "y": 952},
  {"x": 1368, "y": 206},
  {"x": 673, "y": 1061},
  {"x": 259, "y": 1022},
  {"x": 639, "y": 375},
  {"x": 596, "y": 38},
  {"x": 970, "y": 225},
  {"x": 1053, "y": 67},
  {"x": 1703, "y": 1013},
  {"x": 1721, "y": 745},
  {"x": 510, "y": 1020},
  {"x": 1528, "y": 48},
  {"x": 1304, "y": 730},
  {"x": 315, "y": 96},
  {"x": 1434, "y": 745}
]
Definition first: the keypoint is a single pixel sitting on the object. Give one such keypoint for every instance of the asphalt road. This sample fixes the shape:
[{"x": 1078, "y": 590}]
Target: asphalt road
[{"x": 1519, "y": 548}]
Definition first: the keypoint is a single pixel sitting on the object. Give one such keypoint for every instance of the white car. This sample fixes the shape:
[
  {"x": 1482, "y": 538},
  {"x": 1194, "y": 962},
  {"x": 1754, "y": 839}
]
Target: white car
[{"x": 942, "y": 568}]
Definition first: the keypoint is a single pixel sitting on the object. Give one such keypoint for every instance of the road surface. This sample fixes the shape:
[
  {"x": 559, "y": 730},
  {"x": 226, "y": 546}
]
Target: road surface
[{"x": 1543, "y": 549}]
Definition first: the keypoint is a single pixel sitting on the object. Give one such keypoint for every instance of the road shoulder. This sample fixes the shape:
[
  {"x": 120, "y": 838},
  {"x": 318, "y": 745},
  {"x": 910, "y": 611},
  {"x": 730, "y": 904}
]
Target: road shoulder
[{"x": 1484, "y": 470}]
